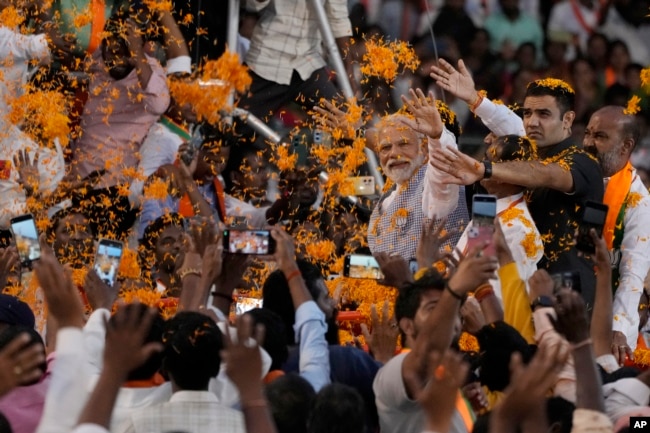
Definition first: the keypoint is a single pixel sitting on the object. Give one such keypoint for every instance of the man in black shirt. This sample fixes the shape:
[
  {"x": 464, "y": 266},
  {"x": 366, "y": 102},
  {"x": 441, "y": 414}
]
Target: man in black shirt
[{"x": 559, "y": 182}]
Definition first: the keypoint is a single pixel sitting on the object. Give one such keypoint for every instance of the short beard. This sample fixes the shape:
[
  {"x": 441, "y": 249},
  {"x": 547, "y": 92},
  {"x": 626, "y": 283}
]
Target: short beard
[
  {"x": 402, "y": 175},
  {"x": 608, "y": 163}
]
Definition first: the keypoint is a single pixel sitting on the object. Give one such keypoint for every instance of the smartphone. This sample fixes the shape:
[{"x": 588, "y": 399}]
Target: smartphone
[
  {"x": 484, "y": 210},
  {"x": 300, "y": 146},
  {"x": 107, "y": 260},
  {"x": 361, "y": 266},
  {"x": 322, "y": 138},
  {"x": 363, "y": 185},
  {"x": 566, "y": 280},
  {"x": 194, "y": 145},
  {"x": 245, "y": 304},
  {"x": 26, "y": 236},
  {"x": 250, "y": 242},
  {"x": 593, "y": 217}
]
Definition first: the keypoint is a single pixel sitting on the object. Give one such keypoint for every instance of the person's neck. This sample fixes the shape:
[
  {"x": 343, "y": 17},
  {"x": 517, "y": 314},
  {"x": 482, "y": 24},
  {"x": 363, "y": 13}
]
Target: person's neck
[
  {"x": 587, "y": 3},
  {"x": 176, "y": 117},
  {"x": 512, "y": 15}
]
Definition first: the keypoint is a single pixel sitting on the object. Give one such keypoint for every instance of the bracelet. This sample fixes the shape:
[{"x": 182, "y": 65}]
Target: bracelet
[
  {"x": 255, "y": 404},
  {"x": 222, "y": 296},
  {"x": 474, "y": 105},
  {"x": 293, "y": 274},
  {"x": 185, "y": 272},
  {"x": 483, "y": 292},
  {"x": 583, "y": 343},
  {"x": 454, "y": 294}
]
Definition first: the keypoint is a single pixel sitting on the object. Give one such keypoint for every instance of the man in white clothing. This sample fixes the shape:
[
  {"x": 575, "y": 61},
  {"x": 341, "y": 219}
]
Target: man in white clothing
[
  {"x": 519, "y": 229},
  {"x": 611, "y": 136}
]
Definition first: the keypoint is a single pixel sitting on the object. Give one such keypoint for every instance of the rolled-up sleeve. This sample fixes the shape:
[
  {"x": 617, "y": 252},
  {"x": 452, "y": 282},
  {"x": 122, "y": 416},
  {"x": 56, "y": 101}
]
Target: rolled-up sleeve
[
  {"x": 500, "y": 119},
  {"x": 337, "y": 13}
]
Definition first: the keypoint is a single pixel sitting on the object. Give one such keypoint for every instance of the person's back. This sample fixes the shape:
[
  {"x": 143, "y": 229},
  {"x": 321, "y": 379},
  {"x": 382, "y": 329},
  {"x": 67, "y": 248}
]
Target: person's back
[{"x": 191, "y": 358}]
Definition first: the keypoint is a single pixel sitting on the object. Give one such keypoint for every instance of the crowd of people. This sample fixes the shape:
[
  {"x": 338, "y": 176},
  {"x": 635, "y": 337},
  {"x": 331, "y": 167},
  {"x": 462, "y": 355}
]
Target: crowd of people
[{"x": 190, "y": 274}]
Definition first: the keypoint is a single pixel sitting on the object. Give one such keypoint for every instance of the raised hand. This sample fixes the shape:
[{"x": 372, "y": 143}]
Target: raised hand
[
  {"x": 382, "y": 342},
  {"x": 459, "y": 168},
  {"x": 473, "y": 317},
  {"x": 243, "y": 359},
  {"x": 99, "y": 294},
  {"x": 426, "y": 119},
  {"x": 126, "y": 333},
  {"x": 20, "y": 363},
  {"x": 395, "y": 269},
  {"x": 571, "y": 318},
  {"x": 61, "y": 294},
  {"x": 457, "y": 82},
  {"x": 540, "y": 284},
  {"x": 447, "y": 373},
  {"x": 333, "y": 118},
  {"x": 28, "y": 176},
  {"x": 473, "y": 270},
  {"x": 432, "y": 238}
]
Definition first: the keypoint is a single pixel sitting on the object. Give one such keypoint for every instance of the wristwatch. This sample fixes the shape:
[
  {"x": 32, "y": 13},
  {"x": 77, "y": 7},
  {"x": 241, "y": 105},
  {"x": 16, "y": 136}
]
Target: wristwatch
[
  {"x": 542, "y": 301},
  {"x": 488, "y": 169}
]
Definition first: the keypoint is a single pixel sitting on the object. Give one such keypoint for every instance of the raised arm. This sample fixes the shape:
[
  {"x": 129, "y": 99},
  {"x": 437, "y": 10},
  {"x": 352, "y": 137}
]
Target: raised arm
[
  {"x": 437, "y": 331},
  {"x": 499, "y": 119}
]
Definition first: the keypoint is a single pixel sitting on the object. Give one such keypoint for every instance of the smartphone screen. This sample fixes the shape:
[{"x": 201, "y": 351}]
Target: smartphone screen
[
  {"x": 245, "y": 304},
  {"x": 484, "y": 210},
  {"x": 361, "y": 266},
  {"x": 363, "y": 185},
  {"x": 248, "y": 242},
  {"x": 26, "y": 236},
  {"x": 593, "y": 217},
  {"x": 107, "y": 260},
  {"x": 566, "y": 280}
]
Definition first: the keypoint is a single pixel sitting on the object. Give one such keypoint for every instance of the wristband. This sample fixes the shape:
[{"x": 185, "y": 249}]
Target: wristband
[
  {"x": 292, "y": 275},
  {"x": 488, "y": 169},
  {"x": 254, "y": 403},
  {"x": 461, "y": 298},
  {"x": 474, "y": 105}
]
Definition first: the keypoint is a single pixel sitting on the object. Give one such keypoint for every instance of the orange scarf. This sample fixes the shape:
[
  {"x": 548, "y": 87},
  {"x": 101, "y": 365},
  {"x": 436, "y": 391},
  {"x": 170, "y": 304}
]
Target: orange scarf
[
  {"x": 617, "y": 189},
  {"x": 97, "y": 25}
]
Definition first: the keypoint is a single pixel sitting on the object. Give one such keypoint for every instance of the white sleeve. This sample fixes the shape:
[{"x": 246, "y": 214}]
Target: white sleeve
[
  {"x": 51, "y": 167},
  {"x": 68, "y": 390},
  {"x": 94, "y": 340},
  {"x": 179, "y": 64},
  {"x": 255, "y": 216},
  {"x": 89, "y": 428},
  {"x": 500, "y": 119},
  {"x": 256, "y": 5},
  {"x": 23, "y": 46},
  {"x": 438, "y": 198},
  {"x": 623, "y": 394},
  {"x": 314, "y": 355},
  {"x": 634, "y": 265}
]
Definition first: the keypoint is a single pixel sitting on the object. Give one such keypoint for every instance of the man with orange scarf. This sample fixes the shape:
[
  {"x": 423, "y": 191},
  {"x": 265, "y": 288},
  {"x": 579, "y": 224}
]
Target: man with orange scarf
[{"x": 611, "y": 136}]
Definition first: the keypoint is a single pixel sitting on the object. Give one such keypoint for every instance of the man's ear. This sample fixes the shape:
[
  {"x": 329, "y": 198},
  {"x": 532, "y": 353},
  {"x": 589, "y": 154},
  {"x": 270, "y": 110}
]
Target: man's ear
[
  {"x": 628, "y": 146},
  {"x": 568, "y": 119},
  {"x": 407, "y": 327}
]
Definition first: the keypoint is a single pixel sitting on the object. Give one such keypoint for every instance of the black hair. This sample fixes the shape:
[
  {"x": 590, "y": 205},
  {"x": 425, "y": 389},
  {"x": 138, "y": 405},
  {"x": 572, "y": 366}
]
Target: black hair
[
  {"x": 275, "y": 337},
  {"x": 11, "y": 332},
  {"x": 60, "y": 215},
  {"x": 516, "y": 148},
  {"x": 291, "y": 398},
  {"x": 560, "y": 411},
  {"x": 192, "y": 345},
  {"x": 155, "y": 334},
  {"x": 337, "y": 408},
  {"x": 277, "y": 297},
  {"x": 564, "y": 95},
  {"x": 5, "y": 426},
  {"x": 409, "y": 297},
  {"x": 152, "y": 233}
]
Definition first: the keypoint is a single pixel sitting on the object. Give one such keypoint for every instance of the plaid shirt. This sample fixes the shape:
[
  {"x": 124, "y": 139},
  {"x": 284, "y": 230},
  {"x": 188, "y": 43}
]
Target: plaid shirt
[
  {"x": 397, "y": 228},
  {"x": 286, "y": 37},
  {"x": 191, "y": 412}
]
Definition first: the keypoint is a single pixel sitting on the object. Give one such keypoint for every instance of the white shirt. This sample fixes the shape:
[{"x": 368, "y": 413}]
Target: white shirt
[
  {"x": 310, "y": 329},
  {"x": 287, "y": 37},
  {"x": 191, "y": 412},
  {"x": 16, "y": 50},
  {"x": 563, "y": 18},
  {"x": 634, "y": 263},
  {"x": 624, "y": 395},
  {"x": 51, "y": 167},
  {"x": 521, "y": 235}
]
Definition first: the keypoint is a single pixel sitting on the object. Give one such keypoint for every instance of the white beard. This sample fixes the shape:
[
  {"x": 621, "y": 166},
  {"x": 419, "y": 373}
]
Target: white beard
[{"x": 403, "y": 174}]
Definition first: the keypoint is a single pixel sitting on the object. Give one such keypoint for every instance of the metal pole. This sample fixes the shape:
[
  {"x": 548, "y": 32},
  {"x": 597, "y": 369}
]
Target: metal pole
[
  {"x": 233, "y": 33},
  {"x": 342, "y": 77}
]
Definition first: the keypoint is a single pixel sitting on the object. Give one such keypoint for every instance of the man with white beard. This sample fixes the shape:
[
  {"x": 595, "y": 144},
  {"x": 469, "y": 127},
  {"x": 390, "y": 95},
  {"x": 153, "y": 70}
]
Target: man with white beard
[{"x": 416, "y": 193}]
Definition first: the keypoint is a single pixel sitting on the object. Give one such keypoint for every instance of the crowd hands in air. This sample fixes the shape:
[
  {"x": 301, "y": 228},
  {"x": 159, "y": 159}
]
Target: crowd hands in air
[{"x": 471, "y": 336}]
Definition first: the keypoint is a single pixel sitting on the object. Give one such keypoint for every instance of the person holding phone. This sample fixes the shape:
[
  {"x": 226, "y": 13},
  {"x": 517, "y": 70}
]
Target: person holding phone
[
  {"x": 561, "y": 179},
  {"x": 611, "y": 136},
  {"x": 521, "y": 234}
]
